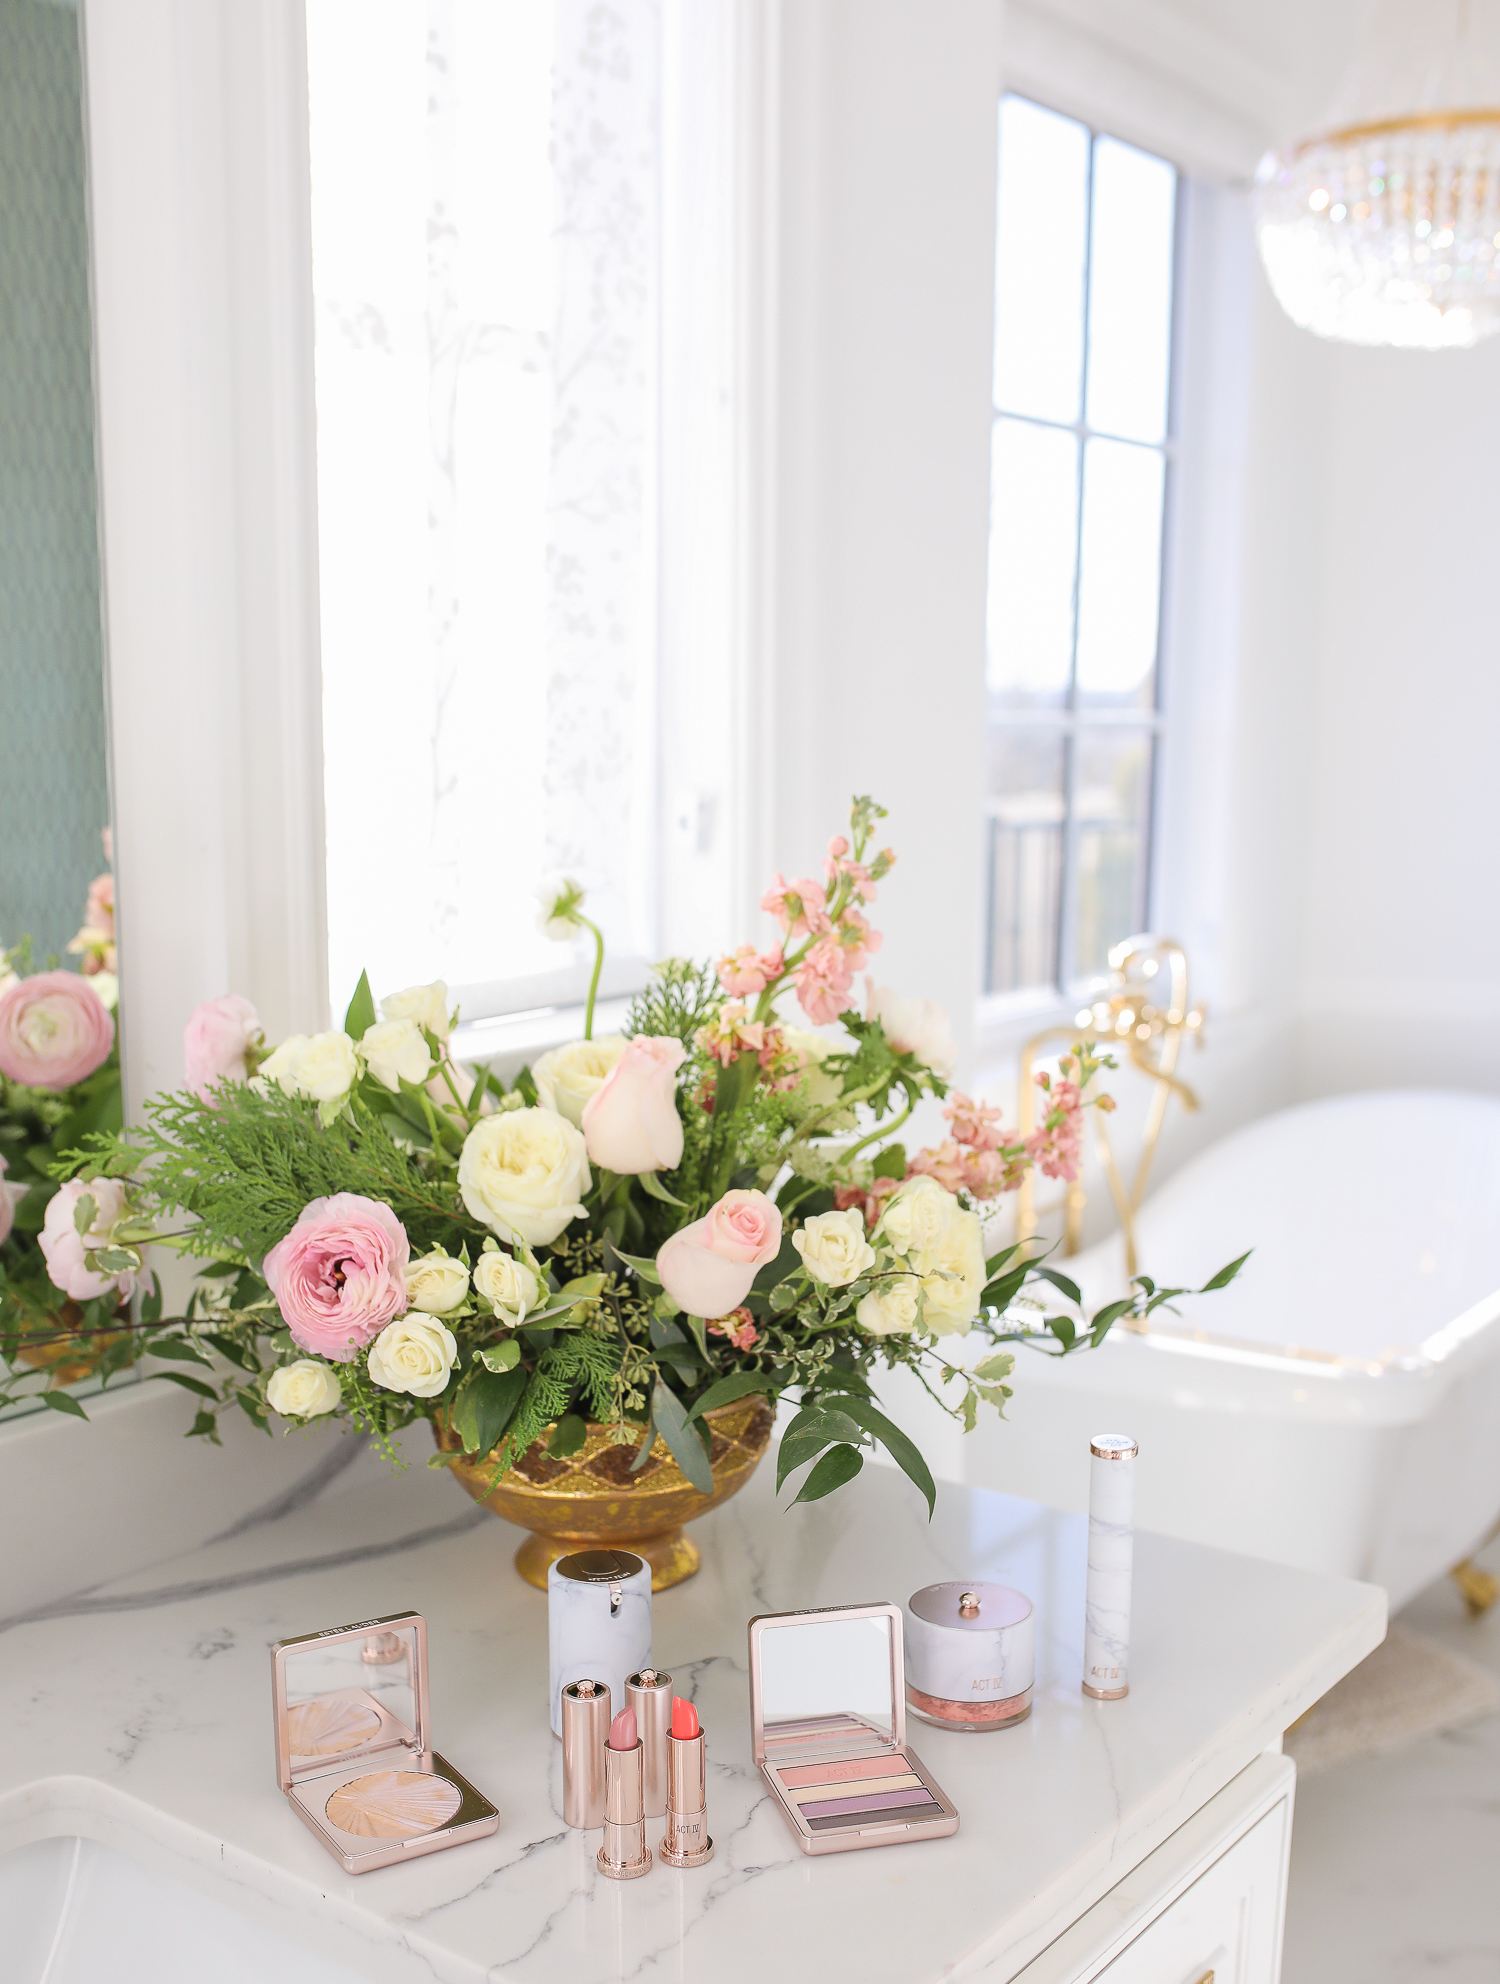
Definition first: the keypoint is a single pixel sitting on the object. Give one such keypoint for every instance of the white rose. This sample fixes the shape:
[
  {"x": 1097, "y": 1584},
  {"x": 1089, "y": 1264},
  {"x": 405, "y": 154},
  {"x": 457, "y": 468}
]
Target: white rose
[
  {"x": 394, "y": 1051},
  {"x": 952, "y": 1289},
  {"x": 508, "y": 1285},
  {"x": 931, "y": 1231},
  {"x": 821, "y": 1091},
  {"x": 423, "y": 1005},
  {"x": 303, "y": 1390},
  {"x": 891, "y": 1309},
  {"x": 436, "y": 1283},
  {"x": 834, "y": 1248},
  {"x": 916, "y": 1221},
  {"x": 414, "y": 1354},
  {"x": 568, "y": 1077},
  {"x": 913, "y": 1026},
  {"x": 321, "y": 1066},
  {"x": 524, "y": 1174}
]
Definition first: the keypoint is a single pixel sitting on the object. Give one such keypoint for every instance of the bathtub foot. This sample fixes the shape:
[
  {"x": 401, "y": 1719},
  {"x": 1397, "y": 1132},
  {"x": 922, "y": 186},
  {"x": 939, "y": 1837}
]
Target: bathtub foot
[{"x": 1479, "y": 1588}]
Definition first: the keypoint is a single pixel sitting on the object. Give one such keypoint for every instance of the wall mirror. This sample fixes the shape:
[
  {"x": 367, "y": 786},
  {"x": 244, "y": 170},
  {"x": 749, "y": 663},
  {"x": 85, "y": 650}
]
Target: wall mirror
[{"x": 59, "y": 1055}]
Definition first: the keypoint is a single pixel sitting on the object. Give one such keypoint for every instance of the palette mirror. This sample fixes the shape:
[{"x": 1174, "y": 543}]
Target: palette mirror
[
  {"x": 812, "y": 1667},
  {"x": 346, "y": 1696},
  {"x": 60, "y": 1076}
]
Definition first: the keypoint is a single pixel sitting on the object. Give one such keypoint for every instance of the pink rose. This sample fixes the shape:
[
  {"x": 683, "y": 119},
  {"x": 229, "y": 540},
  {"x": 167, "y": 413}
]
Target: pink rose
[
  {"x": 54, "y": 1030},
  {"x": 708, "y": 1267},
  {"x": 339, "y": 1276},
  {"x": 214, "y": 1042},
  {"x": 63, "y": 1246},
  {"x": 630, "y": 1123}
]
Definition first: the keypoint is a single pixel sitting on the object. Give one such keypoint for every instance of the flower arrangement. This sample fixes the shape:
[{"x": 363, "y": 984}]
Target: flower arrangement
[
  {"x": 638, "y": 1229},
  {"x": 59, "y": 1082}
]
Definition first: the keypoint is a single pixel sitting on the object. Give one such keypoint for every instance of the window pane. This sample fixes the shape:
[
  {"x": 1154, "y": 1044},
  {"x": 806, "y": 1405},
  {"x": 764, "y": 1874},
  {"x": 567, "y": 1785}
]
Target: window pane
[
  {"x": 484, "y": 276},
  {"x": 1130, "y": 291},
  {"x": 1023, "y": 856},
  {"x": 1033, "y": 554},
  {"x": 1040, "y": 247},
  {"x": 1119, "y": 590},
  {"x": 1112, "y": 795}
]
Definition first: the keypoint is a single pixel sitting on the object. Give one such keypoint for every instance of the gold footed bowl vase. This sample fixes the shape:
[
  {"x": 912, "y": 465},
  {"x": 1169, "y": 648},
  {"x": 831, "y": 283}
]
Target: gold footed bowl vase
[{"x": 592, "y": 1500}]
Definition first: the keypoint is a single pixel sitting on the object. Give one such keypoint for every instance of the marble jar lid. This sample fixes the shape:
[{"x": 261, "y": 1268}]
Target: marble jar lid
[{"x": 970, "y": 1605}]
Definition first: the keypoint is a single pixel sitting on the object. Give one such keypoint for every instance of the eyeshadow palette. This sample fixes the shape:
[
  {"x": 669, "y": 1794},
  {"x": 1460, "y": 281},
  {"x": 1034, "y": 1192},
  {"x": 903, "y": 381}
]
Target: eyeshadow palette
[
  {"x": 828, "y": 1720},
  {"x": 352, "y": 1753}
]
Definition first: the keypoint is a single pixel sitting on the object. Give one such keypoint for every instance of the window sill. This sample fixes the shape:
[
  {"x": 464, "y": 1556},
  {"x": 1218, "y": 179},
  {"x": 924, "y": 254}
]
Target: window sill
[{"x": 512, "y": 1041}]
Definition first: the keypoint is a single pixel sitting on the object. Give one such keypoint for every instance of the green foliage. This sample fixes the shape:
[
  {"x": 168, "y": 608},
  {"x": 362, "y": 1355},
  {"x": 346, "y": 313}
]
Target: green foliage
[{"x": 680, "y": 998}]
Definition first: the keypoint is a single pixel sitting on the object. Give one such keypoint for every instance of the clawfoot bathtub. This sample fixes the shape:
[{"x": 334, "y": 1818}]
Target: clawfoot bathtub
[{"x": 1339, "y": 1406}]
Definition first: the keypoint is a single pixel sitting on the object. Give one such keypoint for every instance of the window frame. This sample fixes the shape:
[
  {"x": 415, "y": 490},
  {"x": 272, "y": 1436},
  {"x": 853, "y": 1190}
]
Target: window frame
[{"x": 997, "y": 1011}]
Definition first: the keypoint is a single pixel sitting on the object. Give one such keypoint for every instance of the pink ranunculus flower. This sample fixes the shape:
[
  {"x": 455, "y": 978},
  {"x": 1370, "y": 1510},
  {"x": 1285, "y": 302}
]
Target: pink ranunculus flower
[
  {"x": 630, "y": 1123},
  {"x": 339, "y": 1276},
  {"x": 63, "y": 1246},
  {"x": 214, "y": 1042},
  {"x": 708, "y": 1267},
  {"x": 54, "y": 1030},
  {"x": 823, "y": 981}
]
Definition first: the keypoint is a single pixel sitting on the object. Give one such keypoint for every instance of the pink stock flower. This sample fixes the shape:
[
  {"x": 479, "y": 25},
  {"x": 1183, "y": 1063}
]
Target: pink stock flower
[
  {"x": 707, "y": 1268},
  {"x": 739, "y": 1327},
  {"x": 797, "y": 906},
  {"x": 63, "y": 1246},
  {"x": 1057, "y": 1147},
  {"x": 630, "y": 1123},
  {"x": 214, "y": 1043},
  {"x": 871, "y": 1203},
  {"x": 729, "y": 1034},
  {"x": 748, "y": 970},
  {"x": 54, "y": 1030},
  {"x": 99, "y": 908},
  {"x": 823, "y": 981},
  {"x": 339, "y": 1276},
  {"x": 976, "y": 1123},
  {"x": 857, "y": 940}
]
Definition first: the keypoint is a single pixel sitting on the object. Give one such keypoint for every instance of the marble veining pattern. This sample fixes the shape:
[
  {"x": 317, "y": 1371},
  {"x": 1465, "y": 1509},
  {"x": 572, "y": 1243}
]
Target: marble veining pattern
[{"x": 140, "y": 1716}]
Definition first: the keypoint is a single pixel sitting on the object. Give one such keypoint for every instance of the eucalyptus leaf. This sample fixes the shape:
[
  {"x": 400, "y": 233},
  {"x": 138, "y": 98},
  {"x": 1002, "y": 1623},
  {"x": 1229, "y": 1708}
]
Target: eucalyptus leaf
[
  {"x": 569, "y": 1434},
  {"x": 838, "y": 1466},
  {"x": 897, "y": 1445},
  {"x": 1061, "y": 1281},
  {"x": 682, "y": 1440},
  {"x": 485, "y": 1405}
]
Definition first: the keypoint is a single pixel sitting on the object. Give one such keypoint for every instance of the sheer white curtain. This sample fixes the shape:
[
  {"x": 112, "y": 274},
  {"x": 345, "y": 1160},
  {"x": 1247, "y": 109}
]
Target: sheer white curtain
[{"x": 485, "y": 196}]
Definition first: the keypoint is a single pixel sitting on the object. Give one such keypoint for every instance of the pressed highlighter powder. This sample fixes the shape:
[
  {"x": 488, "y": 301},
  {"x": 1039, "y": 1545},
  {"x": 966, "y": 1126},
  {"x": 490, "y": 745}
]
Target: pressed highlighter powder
[{"x": 352, "y": 1748}]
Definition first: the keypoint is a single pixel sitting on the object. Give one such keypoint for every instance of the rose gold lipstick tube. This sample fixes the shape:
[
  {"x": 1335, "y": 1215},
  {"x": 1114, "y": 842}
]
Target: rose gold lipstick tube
[
  {"x": 686, "y": 1842},
  {"x": 624, "y": 1856},
  {"x": 649, "y": 1693},
  {"x": 585, "y": 1726}
]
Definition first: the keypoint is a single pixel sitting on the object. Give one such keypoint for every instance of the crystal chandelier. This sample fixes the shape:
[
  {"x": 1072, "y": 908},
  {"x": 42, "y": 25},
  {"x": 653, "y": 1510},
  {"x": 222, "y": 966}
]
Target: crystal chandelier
[{"x": 1386, "y": 229}]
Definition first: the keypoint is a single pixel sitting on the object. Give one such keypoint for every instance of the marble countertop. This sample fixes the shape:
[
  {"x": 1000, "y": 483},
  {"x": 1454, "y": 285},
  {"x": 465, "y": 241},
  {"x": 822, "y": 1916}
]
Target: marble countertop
[{"x": 139, "y": 1715}]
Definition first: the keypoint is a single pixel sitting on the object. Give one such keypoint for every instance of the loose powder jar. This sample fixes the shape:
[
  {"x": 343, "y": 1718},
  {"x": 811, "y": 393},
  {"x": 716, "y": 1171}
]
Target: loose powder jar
[
  {"x": 970, "y": 1655},
  {"x": 352, "y": 1749}
]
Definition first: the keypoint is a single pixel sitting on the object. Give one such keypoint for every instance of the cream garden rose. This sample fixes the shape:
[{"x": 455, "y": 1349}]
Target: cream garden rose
[
  {"x": 423, "y": 1005},
  {"x": 509, "y": 1286},
  {"x": 568, "y": 1078},
  {"x": 523, "y": 1174},
  {"x": 303, "y": 1390},
  {"x": 321, "y": 1066},
  {"x": 927, "y": 1227},
  {"x": 892, "y": 1309},
  {"x": 394, "y": 1051},
  {"x": 436, "y": 1283},
  {"x": 414, "y": 1355},
  {"x": 833, "y": 1247}
]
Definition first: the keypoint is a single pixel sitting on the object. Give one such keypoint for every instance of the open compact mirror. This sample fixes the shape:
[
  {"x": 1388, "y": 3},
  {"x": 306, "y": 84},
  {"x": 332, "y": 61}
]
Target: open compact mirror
[
  {"x": 352, "y": 1749},
  {"x": 828, "y": 1716}
]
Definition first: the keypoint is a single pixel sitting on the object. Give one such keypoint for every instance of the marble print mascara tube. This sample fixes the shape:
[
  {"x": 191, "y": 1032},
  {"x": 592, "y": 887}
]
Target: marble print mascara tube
[{"x": 1106, "y": 1626}]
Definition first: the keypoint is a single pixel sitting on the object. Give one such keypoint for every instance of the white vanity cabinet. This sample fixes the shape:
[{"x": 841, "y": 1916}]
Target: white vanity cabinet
[{"x": 1207, "y": 1907}]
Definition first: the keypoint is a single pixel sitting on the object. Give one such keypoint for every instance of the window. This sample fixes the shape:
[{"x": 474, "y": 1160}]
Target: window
[
  {"x": 1080, "y": 473},
  {"x": 484, "y": 210}
]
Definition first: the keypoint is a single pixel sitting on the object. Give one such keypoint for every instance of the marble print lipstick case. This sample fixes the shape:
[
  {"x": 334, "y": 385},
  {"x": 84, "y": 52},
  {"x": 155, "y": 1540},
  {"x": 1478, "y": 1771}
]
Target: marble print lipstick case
[
  {"x": 828, "y": 1723},
  {"x": 352, "y": 1748}
]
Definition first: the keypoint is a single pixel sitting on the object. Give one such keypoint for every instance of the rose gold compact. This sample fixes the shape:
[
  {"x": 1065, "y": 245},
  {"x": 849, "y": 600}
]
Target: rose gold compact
[
  {"x": 352, "y": 1751},
  {"x": 828, "y": 1722}
]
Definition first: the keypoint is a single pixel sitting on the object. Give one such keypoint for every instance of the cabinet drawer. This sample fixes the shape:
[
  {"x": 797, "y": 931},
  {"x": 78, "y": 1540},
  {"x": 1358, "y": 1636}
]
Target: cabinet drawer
[{"x": 1227, "y": 1925}]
